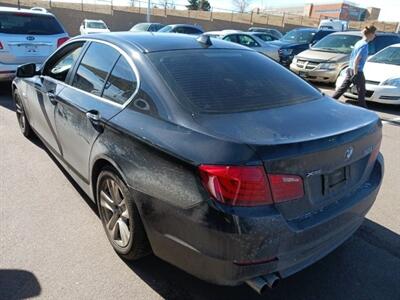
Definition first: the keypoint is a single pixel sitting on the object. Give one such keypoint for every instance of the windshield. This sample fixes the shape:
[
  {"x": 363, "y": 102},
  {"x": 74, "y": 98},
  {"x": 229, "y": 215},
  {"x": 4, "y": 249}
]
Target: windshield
[
  {"x": 140, "y": 27},
  {"x": 96, "y": 25},
  {"x": 26, "y": 23},
  {"x": 390, "y": 55},
  {"x": 227, "y": 81},
  {"x": 339, "y": 43},
  {"x": 166, "y": 29},
  {"x": 299, "y": 36}
]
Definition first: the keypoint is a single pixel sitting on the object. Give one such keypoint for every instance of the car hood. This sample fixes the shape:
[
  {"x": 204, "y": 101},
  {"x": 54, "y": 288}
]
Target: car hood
[
  {"x": 380, "y": 72},
  {"x": 301, "y": 122},
  {"x": 323, "y": 56}
]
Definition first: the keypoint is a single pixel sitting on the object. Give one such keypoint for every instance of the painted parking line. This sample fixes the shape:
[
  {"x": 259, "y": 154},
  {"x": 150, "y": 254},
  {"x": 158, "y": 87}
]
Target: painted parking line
[{"x": 394, "y": 121}]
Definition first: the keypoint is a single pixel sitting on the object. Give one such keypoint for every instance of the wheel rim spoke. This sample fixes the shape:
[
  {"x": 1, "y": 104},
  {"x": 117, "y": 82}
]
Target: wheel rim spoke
[
  {"x": 124, "y": 232},
  {"x": 106, "y": 202},
  {"x": 115, "y": 212}
]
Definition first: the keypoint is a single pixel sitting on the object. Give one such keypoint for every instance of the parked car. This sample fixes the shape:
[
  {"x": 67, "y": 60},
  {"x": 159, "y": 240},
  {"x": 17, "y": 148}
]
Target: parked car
[
  {"x": 220, "y": 33},
  {"x": 272, "y": 31},
  {"x": 255, "y": 40},
  {"x": 152, "y": 27},
  {"x": 182, "y": 28},
  {"x": 382, "y": 74},
  {"x": 93, "y": 26},
  {"x": 296, "y": 41},
  {"x": 219, "y": 160},
  {"x": 327, "y": 58},
  {"x": 27, "y": 36},
  {"x": 332, "y": 24}
]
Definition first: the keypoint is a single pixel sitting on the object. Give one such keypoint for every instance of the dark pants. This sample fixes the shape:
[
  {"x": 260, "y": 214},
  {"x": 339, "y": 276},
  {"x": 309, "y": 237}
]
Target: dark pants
[{"x": 359, "y": 81}]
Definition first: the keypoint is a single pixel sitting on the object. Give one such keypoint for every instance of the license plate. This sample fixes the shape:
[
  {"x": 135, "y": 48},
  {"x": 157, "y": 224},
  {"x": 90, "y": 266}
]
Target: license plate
[
  {"x": 334, "y": 181},
  {"x": 31, "y": 49},
  {"x": 303, "y": 74}
]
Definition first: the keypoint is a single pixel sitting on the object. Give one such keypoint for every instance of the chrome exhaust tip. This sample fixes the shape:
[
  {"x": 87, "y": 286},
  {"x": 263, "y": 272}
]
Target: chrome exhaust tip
[{"x": 260, "y": 284}]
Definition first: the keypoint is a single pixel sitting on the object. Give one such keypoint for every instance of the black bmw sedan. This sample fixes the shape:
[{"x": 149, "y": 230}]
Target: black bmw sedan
[{"x": 209, "y": 154}]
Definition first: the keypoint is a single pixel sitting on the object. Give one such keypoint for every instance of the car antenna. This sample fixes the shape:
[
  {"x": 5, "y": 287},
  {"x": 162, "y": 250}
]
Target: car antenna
[{"x": 205, "y": 40}]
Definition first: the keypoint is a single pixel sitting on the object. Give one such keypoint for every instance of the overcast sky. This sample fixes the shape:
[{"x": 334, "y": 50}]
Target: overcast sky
[{"x": 390, "y": 9}]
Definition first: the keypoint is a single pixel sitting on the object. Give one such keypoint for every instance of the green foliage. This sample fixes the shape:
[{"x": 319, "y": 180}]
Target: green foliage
[{"x": 199, "y": 5}]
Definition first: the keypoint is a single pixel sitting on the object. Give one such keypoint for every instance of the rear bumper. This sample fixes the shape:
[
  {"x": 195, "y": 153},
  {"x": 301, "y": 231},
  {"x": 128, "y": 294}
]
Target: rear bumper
[
  {"x": 216, "y": 246},
  {"x": 7, "y": 72}
]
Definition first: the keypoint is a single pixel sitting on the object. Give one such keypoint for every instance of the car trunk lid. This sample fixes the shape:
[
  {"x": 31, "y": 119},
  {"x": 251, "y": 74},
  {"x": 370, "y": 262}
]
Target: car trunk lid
[{"x": 327, "y": 143}]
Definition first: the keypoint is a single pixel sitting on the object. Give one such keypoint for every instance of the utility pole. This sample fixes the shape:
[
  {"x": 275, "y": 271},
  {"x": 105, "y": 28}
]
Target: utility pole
[{"x": 148, "y": 11}]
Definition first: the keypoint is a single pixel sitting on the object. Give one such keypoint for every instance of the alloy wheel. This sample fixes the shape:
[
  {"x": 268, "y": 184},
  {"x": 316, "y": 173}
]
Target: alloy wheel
[{"x": 115, "y": 212}]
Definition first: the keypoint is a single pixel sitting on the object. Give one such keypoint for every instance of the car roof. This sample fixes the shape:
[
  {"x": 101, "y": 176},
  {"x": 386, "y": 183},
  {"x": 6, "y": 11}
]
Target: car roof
[
  {"x": 187, "y": 25},
  {"x": 359, "y": 33},
  {"x": 146, "y": 42},
  {"x": 24, "y": 10},
  {"x": 92, "y": 20}
]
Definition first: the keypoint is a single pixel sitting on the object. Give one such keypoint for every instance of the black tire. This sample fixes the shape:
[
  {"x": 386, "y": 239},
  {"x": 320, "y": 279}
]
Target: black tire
[
  {"x": 23, "y": 121},
  {"x": 137, "y": 245}
]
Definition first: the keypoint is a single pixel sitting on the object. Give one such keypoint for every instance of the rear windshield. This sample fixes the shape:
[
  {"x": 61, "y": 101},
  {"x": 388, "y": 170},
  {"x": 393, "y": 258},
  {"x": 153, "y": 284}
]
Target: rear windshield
[
  {"x": 226, "y": 81},
  {"x": 25, "y": 23},
  {"x": 96, "y": 25}
]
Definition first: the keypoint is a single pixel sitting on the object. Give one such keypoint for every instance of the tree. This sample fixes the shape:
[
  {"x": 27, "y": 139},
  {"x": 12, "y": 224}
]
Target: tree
[
  {"x": 241, "y": 5},
  {"x": 199, "y": 5},
  {"x": 168, "y": 4}
]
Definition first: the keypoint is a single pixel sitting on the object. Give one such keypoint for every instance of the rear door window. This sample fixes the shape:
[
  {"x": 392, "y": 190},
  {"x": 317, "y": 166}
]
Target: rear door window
[
  {"x": 27, "y": 23},
  {"x": 187, "y": 30},
  {"x": 226, "y": 81},
  {"x": 231, "y": 38},
  {"x": 122, "y": 82},
  {"x": 94, "y": 68}
]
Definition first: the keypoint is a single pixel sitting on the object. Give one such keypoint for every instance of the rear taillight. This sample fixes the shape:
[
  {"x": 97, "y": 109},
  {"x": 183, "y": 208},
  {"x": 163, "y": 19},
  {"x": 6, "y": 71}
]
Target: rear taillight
[
  {"x": 1, "y": 46},
  {"x": 62, "y": 41},
  {"x": 241, "y": 186},
  {"x": 286, "y": 187},
  {"x": 249, "y": 186}
]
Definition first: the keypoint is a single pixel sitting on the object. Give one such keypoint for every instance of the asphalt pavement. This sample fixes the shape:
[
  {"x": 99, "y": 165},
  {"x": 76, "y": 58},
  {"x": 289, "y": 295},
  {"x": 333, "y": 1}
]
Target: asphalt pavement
[{"x": 52, "y": 243}]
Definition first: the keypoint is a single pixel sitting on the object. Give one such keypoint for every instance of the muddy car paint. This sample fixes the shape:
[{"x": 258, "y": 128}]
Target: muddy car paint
[{"x": 157, "y": 151}]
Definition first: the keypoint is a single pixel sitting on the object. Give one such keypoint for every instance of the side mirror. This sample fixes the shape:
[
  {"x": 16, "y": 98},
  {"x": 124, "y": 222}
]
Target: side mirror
[{"x": 27, "y": 71}]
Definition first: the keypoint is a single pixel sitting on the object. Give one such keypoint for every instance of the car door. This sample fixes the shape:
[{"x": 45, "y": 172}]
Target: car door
[
  {"x": 103, "y": 81},
  {"x": 44, "y": 89}
]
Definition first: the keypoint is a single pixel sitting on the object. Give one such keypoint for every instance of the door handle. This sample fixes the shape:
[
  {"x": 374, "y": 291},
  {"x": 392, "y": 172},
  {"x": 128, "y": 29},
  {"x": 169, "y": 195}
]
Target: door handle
[
  {"x": 52, "y": 97},
  {"x": 95, "y": 118}
]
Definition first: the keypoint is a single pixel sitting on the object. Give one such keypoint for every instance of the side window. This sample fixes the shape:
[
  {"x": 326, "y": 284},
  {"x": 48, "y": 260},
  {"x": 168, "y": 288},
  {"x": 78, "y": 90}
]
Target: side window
[
  {"x": 191, "y": 30},
  {"x": 231, "y": 38},
  {"x": 59, "y": 67},
  {"x": 122, "y": 82},
  {"x": 384, "y": 41},
  {"x": 94, "y": 68},
  {"x": 247, "y": 41}
]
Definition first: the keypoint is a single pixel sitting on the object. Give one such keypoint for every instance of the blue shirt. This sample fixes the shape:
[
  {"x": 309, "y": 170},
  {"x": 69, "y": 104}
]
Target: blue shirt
[{"x": 360, "y": 49}]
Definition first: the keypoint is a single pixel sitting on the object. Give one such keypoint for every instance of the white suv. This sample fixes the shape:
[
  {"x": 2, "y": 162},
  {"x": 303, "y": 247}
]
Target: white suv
[
  {"x": 27, "y": 36},
  {"x": 93, "y": 26}
]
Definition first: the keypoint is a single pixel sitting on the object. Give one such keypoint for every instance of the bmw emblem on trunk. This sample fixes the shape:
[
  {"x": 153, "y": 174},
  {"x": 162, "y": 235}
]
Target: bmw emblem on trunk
[
  {"x": 349, "y": 153},
  {"x": 30, "y": 38}
]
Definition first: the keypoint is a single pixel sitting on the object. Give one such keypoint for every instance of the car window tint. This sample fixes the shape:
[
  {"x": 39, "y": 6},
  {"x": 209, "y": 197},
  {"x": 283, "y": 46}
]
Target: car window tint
[
  {"x": 229, "y": 80},
  {"x": 231, "y": 38},
  {"x": 94, "y": 68},
  {"x": 266, "y": 37},
  {"x": 60, "y": 69},
  {"x": 27, "y": 23},
  {"x": 122, "y": 82},
  {"x": 384, "y": 41},
  {"x": 247, "y": 41}
]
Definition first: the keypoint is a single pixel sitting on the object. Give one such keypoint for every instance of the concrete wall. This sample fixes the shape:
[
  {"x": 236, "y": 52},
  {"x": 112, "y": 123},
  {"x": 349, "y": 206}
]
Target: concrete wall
[{"x": 123, "y": 18}]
